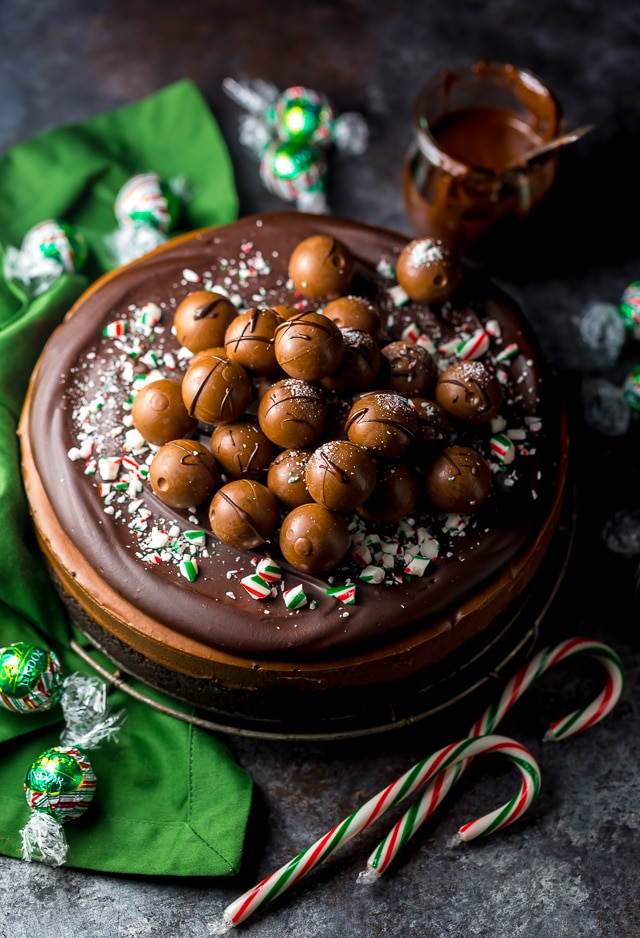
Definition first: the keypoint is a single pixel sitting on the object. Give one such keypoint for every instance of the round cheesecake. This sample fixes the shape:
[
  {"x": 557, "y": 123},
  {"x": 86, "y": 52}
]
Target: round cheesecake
[{"x": 409, "y": 600}]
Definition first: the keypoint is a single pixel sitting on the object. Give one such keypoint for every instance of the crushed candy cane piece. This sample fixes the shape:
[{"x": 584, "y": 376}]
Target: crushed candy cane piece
[
  {"x": 417, "y": 566},
  {"x": 411, "y": 333},
  {"x": 115, "y": 330},
  {"x": 425, "y": 342},
  {"x": 153, "y": 558},
  {"x": 362, "y": 555},
  {"x": 502, "y": 447},
  {"x": 455, "y": 522},
  {"x": 255, "y": 586},
  {"x": 150, "y": 314},
  {"x": 108, "y": 467},
  {"x": 346, "y": 593},
  {"x": 508, "y": 353},
  {"x": 295, "y": 597},
  {"x": 196, "y": 538},
  {"x": 269, "y": 570},
  {"x": 498, "y": 424},
  {"x": 429, "y": 546},
  {"x": 189, "y": 568},
  {"x": 372, "y": 574},
  {"x": 399, "y": 296},
  {"x": 473, "y": 347},
  {"x": 158, "y": 538},
  {"x": 534, "y": 424}
]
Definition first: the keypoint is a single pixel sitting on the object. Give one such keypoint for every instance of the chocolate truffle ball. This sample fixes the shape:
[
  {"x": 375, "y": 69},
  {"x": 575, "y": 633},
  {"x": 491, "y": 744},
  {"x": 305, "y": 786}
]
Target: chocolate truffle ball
[
  {"x": 313, "y": 539},
  {"x": 243, "y": 514},
  {"x": 202, "y": 318},
  {"x": 321, "y": 267},
  {"x": 395, "y": 494},
  {"x": 286, "y": 477},
  {"x": 308, "y": 346},
  {"x": 241, "y": 449},
  {"x": 360, "y": 363},
  {"x": 340, "y": 475},
  {"x": 459, "y": 480},
  {"x": 183, "y": 474},
  {"x": 468, "y": 391},
  {"x": 159, "y": 414},
  {"x": 428, "y": 270},
  {"x": 434, "y": 428},
  {"x": 215, "y": 390},
  {"x": 408, "y": 368},
  {"x": 292, "y": 413},
  {"x": 354, "y": 312},
  {"x": 249, "y": 340},
  {"x": 383, "y": 422}
]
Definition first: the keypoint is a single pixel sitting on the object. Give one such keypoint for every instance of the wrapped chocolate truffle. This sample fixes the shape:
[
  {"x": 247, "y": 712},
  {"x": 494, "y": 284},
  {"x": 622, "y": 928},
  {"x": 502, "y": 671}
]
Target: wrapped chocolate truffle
[
  {"x": 30, "y": 678},
  {"x": 291, "y": 132},
  {"x": 146, "y": 209},
  {"x": 48, "y": 250}
]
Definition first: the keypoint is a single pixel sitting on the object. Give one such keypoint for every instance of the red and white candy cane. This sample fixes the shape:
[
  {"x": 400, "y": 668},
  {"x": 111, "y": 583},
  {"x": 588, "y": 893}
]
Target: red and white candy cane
[
  {"x": 420, "y": 774},
  {"x": 573, "y": 723}
]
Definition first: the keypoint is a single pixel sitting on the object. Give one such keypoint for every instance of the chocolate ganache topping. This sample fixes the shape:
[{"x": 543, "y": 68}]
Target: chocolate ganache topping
[{"x": 95, "y": 465}]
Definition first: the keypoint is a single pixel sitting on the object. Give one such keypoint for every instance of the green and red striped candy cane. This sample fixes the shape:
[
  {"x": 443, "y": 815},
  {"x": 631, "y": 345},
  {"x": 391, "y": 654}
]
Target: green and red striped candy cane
[
  {"x": 488, "y": 722},
  {"x": 421, "y": 773}
]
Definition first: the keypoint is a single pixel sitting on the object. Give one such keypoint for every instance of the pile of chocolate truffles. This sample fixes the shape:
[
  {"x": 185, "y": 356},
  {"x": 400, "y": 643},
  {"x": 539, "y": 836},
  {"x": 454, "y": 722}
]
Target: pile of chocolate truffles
[{"x": 312, "y": 415}]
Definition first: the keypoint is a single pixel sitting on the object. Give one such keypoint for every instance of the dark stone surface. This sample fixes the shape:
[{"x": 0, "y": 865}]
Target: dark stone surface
[{"x": 570, "y": 868}]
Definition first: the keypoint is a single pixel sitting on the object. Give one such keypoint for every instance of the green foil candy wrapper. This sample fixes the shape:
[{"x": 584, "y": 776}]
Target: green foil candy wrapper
[
  {"x": 631, "y": 390},
  {"x": 59, "y": 242},
  {"x": 630, "y": 309},
  {"x": 146, "y": 199},
  {"x": 60, "y": 783},
  {"x": 48, "y": 250},
  {"x": 30, "y": 678},
  {"x": 296, "y": 173},
  {"x": 303, "y": 115},
  {"x": 58, "y": 787}
]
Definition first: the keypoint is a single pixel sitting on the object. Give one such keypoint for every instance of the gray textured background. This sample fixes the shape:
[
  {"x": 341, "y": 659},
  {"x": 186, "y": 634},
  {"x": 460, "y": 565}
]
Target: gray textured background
[{"x": 571, "y": 867}]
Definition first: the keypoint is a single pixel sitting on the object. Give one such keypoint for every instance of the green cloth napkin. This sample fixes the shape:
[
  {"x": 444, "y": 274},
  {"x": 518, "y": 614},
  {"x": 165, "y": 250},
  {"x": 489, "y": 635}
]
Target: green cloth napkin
[{"x": 171, "y": 799}]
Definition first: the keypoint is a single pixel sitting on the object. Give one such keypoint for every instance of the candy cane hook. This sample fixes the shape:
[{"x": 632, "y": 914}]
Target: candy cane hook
[
  {"x": 572, "y": 723},
  {"x": 451, "y": 755}
]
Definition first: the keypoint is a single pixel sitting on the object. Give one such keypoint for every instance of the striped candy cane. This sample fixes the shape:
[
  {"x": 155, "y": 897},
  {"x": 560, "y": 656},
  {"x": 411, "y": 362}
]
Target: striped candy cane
[
  {"x": 418, "y": 775},
  {"x": 573, "y": 723}
]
